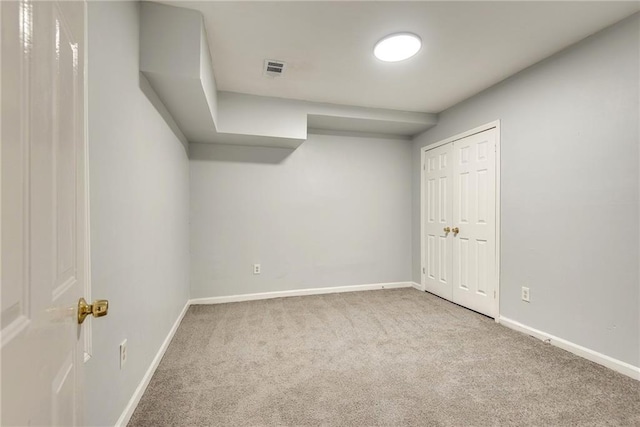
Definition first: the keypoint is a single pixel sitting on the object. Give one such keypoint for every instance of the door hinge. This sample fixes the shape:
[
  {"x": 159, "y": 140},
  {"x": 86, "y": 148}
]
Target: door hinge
[
  {"x": 423, "y": 270},
  {"x": 494, "y": 294}
]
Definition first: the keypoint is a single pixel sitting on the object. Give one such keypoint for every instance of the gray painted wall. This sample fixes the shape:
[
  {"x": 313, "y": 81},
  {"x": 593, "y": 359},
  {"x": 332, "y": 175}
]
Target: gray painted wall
[
  {"x": 139, "y": 178},
  {"x": 334, "y": 212},
  {"x": 570, "y": 189}
]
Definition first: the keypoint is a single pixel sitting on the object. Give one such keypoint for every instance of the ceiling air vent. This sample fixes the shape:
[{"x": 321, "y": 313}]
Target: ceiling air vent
[{"x": 273, "y": 68}]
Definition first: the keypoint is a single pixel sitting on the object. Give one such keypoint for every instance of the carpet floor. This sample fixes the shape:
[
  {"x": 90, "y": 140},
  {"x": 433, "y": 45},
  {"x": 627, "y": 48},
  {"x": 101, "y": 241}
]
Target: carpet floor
[{"x": 388, "y": 357}]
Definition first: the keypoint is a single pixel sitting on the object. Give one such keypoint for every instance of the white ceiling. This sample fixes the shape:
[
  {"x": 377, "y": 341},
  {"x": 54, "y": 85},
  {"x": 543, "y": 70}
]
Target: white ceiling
[{"x": 467, "y": 46}]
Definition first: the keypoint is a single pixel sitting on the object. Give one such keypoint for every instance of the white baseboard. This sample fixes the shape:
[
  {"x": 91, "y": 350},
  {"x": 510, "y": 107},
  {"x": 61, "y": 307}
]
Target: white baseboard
[
  {"x": 602, "y": 359},
  {"x": 418, "y": 286},
  {"x": 137, "y": 395},
  {"x": 300, "y": 292}
]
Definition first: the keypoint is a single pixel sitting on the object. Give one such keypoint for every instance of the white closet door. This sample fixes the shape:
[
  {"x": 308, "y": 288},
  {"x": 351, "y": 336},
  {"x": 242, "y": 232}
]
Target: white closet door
[
  {"x": 438, "y": 186},
  {"x": 474, "y": 214}
]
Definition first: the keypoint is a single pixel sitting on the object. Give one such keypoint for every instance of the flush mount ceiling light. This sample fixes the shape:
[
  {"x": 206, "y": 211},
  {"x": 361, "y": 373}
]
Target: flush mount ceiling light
[{"x": 397, "y": 47}]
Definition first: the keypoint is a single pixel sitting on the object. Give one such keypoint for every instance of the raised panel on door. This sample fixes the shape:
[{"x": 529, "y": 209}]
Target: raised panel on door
[
  {"x": 43, "y": 203},
  {"x": 474, "y": 214},
  {"x": 438, "y": 184}
]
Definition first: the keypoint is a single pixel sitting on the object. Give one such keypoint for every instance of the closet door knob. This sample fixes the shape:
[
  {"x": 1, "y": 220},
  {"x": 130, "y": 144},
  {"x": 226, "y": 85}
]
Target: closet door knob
[
  {"x": 447, "y": 229},
  {"x": 455, "y": 230}
]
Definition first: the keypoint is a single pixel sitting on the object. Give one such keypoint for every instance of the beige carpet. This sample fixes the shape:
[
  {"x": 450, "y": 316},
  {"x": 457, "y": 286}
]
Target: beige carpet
[{"x": 390, "y": 357}]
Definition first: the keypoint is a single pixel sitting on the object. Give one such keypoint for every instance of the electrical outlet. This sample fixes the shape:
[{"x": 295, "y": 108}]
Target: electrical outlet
[
  {"x": 256, "y": 268},
  {"x": 123, "y": 353},
  {"x": 525, "y": 294}
]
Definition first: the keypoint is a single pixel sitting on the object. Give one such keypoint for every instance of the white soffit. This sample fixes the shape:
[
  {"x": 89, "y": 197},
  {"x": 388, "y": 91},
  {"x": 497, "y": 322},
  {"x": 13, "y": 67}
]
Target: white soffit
[{"x": 175, "y": 60}]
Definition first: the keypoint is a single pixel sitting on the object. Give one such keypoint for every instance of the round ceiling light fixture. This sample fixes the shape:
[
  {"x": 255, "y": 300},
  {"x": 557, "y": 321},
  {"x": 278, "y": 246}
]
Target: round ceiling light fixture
[{"x": 397, "y": 47}]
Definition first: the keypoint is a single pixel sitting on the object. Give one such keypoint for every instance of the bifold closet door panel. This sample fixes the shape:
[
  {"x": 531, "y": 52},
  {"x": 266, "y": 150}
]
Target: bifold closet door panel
[
  {"x": 474, "y": 217},
  {"x": 438, "y": 187}
]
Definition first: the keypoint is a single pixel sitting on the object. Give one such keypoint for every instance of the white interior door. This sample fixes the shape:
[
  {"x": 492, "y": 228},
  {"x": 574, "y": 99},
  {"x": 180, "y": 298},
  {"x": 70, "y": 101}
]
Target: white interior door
[
  {"x": 460, "y": 195},
  {"x": 438, "y": 217},
  {"x": 474, "y": 215},
  {"x": 43, "y": 211}
]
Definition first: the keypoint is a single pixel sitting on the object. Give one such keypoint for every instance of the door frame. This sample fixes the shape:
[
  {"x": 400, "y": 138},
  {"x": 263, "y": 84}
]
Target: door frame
[
  {"x": 491, "y": 125},
  {"x": 88, "y": 329}
]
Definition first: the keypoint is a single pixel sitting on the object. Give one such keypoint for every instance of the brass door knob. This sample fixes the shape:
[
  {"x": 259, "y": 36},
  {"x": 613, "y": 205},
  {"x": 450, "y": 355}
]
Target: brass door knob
[
  {"x": 447, "y": 229},
  {"x": 99, "y": 308},
  {"x": 455, "y": 230}
]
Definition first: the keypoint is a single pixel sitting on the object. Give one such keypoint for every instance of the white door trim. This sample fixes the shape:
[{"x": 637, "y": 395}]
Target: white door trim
[
  {"x": 491, "y": 125},
  {"x": 88, "y": 329}
]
